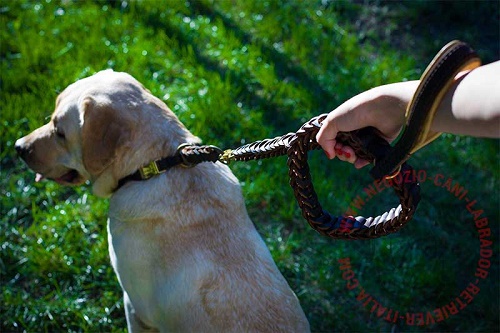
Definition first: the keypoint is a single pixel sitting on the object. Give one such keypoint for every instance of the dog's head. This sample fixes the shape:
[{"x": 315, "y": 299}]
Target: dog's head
[{"x": 104, "y": 127}]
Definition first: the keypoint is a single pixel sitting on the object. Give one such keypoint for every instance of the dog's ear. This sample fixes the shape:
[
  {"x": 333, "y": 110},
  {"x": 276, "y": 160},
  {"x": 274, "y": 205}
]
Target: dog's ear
[{"x": 104, "y": 133}]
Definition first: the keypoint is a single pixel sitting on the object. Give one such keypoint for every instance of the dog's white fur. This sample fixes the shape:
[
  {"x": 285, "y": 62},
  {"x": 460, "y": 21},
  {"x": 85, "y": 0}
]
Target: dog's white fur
[{"x": 183, "y": 247}]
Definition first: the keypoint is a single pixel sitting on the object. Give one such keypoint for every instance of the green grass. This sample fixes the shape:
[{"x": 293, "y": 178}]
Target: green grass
[{"x": 235, "y": 72}]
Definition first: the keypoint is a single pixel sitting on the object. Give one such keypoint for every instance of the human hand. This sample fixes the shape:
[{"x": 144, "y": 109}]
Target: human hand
[{"x": 382, "y": 107}]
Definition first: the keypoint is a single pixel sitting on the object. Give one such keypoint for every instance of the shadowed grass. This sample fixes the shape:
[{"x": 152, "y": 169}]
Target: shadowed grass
[{"x": 235, "y": 72}]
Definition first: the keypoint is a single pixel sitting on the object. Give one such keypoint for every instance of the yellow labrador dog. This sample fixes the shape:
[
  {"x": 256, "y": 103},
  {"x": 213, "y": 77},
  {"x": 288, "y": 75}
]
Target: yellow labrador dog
[{"x": 182, "y": 245}]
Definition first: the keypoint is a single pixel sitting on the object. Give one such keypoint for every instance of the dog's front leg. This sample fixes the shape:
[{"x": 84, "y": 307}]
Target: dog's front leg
[{"x": 134, "y": 323}]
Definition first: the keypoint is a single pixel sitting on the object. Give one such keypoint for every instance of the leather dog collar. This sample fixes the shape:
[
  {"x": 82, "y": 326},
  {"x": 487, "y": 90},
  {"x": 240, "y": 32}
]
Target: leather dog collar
[{"x": 187, "y": 156}]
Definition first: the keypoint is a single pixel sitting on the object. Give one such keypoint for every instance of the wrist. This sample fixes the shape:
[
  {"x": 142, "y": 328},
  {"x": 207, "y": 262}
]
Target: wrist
[{"x": 388, "y": 104}]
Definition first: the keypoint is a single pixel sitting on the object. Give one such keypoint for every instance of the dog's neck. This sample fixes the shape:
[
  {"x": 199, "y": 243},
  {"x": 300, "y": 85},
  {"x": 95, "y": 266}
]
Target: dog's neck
[{"x": 143, "y": 150}]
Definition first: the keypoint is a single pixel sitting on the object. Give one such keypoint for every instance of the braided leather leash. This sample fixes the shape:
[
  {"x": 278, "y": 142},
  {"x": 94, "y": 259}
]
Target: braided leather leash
[{"x": 367, "y": 145}]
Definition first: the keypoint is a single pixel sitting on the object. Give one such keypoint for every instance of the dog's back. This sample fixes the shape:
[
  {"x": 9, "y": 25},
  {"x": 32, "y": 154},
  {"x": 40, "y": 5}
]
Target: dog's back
[{"x": 207, "y": 267}]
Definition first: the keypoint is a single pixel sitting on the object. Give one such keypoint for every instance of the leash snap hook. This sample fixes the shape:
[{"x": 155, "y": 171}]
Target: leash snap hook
[{"x": 226, "y": 156}]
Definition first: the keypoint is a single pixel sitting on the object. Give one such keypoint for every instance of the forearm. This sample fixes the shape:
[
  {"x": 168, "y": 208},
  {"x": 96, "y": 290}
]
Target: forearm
[{"x": 472, "y": 106}]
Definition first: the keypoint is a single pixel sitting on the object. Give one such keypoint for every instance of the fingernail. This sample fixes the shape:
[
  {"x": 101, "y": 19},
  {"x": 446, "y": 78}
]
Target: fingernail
[
  {"x": 347, "y": 155},
  {"x": 338, "y": 151}
]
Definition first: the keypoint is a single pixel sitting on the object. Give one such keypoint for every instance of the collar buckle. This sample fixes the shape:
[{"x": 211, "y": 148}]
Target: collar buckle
[{"x": 150, "y": 170}]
